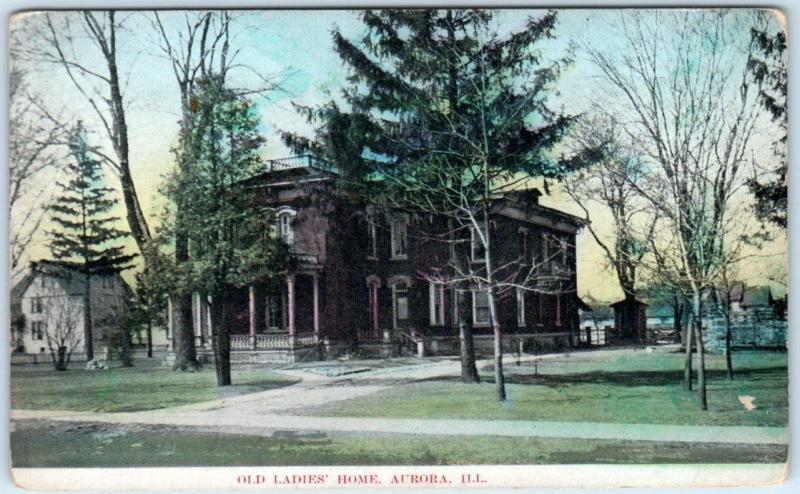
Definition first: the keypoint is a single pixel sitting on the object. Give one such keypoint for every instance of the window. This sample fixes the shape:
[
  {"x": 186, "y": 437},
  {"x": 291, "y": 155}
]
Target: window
[
  {"x": 38, "y": 329},
  {"x": 520, "y": 307},
  {"x": 373, "y": 239},
  {"x": 477, "y": 247},
  {"x": 285, "y": 227},
  {"x": 480, "y": 307},
  {"x": 36, "y": 305},
  {"x": 563, "y": 246},
  {"x": 436, "y": 300},
  {"x": 451, "y": 241},
  {"x": 399, "y": 234},
  {"x": 373, "y": 284}
]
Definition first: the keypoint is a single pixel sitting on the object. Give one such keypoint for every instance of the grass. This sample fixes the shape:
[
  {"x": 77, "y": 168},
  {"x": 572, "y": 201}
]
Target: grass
[
  {"x": 37, "y": 444},
  {"x": 632, "y": 388},
  {"x": 146, "y": 386}
]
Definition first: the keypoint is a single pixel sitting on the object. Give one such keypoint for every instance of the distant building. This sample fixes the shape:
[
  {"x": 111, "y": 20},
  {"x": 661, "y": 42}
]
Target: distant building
[
  {"x": 52, "y": 291},
  {"x": 756, "y": 301}
]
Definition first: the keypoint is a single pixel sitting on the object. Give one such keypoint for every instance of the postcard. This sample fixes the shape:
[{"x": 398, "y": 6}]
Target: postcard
[{"x": 398, "y": 248}]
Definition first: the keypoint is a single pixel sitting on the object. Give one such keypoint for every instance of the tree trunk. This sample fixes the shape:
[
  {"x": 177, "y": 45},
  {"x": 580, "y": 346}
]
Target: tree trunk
[
  {"x": 687, "y": 366},
  {"x": 87, "y": 319},
  {"x": 136, "y": 219},
  {"x": 677, "y": 323},
  {"x": 469, "y": 372},
  {"x": 221, "y": 341},
  {"x": 499, "y": 377},
  {"x": 183, "y": 327},
  {"x": 701, "y": 366},
  {"x": 126, "y": 351},
  {"x": 61, "y": 358},
  {"x": 149, "y": 338},
  {"x": 185, "y": 352},
  {"x": 728, "y": 356}
]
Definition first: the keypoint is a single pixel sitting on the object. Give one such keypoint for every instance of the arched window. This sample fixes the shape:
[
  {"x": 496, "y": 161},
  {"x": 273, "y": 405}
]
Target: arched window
[{"x": 285, "y": 224}]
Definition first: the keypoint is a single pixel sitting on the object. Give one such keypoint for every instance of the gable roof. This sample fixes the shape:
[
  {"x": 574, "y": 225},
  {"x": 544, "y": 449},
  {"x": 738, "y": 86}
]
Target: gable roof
[
  {"x": 19, "y": 288},
  {"x": 67, "y": 274}
]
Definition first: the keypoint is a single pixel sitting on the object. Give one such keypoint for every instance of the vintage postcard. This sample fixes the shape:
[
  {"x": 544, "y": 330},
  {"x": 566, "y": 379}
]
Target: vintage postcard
[{"x": 398, "y": 248}]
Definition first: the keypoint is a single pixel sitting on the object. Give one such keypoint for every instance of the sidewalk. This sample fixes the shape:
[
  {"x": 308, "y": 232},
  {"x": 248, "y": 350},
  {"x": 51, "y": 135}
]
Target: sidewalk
[{"x": 266, "y": 424}]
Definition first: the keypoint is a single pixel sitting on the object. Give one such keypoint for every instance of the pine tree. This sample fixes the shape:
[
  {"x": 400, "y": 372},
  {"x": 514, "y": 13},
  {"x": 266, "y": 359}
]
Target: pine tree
[
  {"x": 86, "y": 235},
  {"x": 767, "y": 65},
  {"x": 442, "y": 114}
]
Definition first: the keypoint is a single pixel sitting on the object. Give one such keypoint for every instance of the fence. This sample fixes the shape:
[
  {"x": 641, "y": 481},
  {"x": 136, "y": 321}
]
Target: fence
[
  {"x": 759, "y": 330},
  {"x": 595, "y": 336}
]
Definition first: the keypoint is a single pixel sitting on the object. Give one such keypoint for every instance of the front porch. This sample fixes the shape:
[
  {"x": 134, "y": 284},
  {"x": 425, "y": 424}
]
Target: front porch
[{"x": 265, "y": 323}]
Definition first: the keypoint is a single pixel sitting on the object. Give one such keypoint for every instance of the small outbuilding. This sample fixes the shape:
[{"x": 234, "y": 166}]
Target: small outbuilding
[{"x": 630, "y": 320}]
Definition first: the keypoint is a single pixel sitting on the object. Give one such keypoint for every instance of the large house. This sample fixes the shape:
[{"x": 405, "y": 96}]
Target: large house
[
  {"x": 358, "y": 279},
  {"x": 48, "y": 303}
]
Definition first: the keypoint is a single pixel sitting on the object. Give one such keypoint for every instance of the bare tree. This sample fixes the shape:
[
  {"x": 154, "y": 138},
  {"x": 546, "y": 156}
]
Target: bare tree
[
  {"x": 691, "y": 107},
  {"x": 33, "y": 141},
  {"x": 612, "y": 184},
  {"x": 63, "y": 38},
  {"x": 63, "y": 324}
]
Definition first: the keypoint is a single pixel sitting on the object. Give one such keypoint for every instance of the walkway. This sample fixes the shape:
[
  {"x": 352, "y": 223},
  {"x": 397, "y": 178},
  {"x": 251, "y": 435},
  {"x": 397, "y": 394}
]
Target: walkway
[
  {"x": 268, "y": 411},
  {"x": 266, "y": 424}
]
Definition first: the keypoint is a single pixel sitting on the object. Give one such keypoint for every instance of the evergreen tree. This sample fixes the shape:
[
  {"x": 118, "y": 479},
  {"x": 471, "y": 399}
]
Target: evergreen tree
[
  {"x": 767, "y": 65},
  {"x": 442, "y": 114},
  {"x": 229, "y": 231},
  {"x": 86, "y": 234}
]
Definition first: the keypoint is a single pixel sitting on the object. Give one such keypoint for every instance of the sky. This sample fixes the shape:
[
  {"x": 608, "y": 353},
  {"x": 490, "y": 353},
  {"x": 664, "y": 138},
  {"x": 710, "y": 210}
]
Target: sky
[{"x": 295, "y": 46}]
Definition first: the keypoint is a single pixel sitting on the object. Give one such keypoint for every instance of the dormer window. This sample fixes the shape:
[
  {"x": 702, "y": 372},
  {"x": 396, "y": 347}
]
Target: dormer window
[
  {"x": 285, "y": 219},
  {"x": 399, "y": 234}
]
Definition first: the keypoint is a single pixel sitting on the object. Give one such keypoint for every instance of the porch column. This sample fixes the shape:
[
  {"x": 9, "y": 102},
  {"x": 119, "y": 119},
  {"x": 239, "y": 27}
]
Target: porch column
[
  {"x": 290, "y": 303},
  {"x": 251, "y": 293},
  {"x": 316, "y": 307}
]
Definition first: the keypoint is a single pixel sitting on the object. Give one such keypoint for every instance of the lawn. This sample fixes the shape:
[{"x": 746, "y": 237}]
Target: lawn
[
  {"x": 146, "y": 386},
  {"x": 636, "y": 387},
  {"x": 42, "y": 444}
]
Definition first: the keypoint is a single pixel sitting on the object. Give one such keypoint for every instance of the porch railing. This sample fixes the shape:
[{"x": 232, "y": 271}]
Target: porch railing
[{"x": 243, "y": 342}]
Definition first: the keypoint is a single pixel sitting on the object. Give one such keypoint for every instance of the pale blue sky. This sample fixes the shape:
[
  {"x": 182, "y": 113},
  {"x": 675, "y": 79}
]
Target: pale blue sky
[{"x": 296, "y": 45}]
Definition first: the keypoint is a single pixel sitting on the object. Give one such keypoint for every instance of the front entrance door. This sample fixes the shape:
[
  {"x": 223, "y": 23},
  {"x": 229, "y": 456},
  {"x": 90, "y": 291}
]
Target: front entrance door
[{"x": 400, "y": 306}]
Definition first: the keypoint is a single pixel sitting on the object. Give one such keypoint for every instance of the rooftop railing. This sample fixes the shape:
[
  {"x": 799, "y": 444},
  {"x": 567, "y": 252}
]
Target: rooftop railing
[{"x": 300, "y": 161}]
